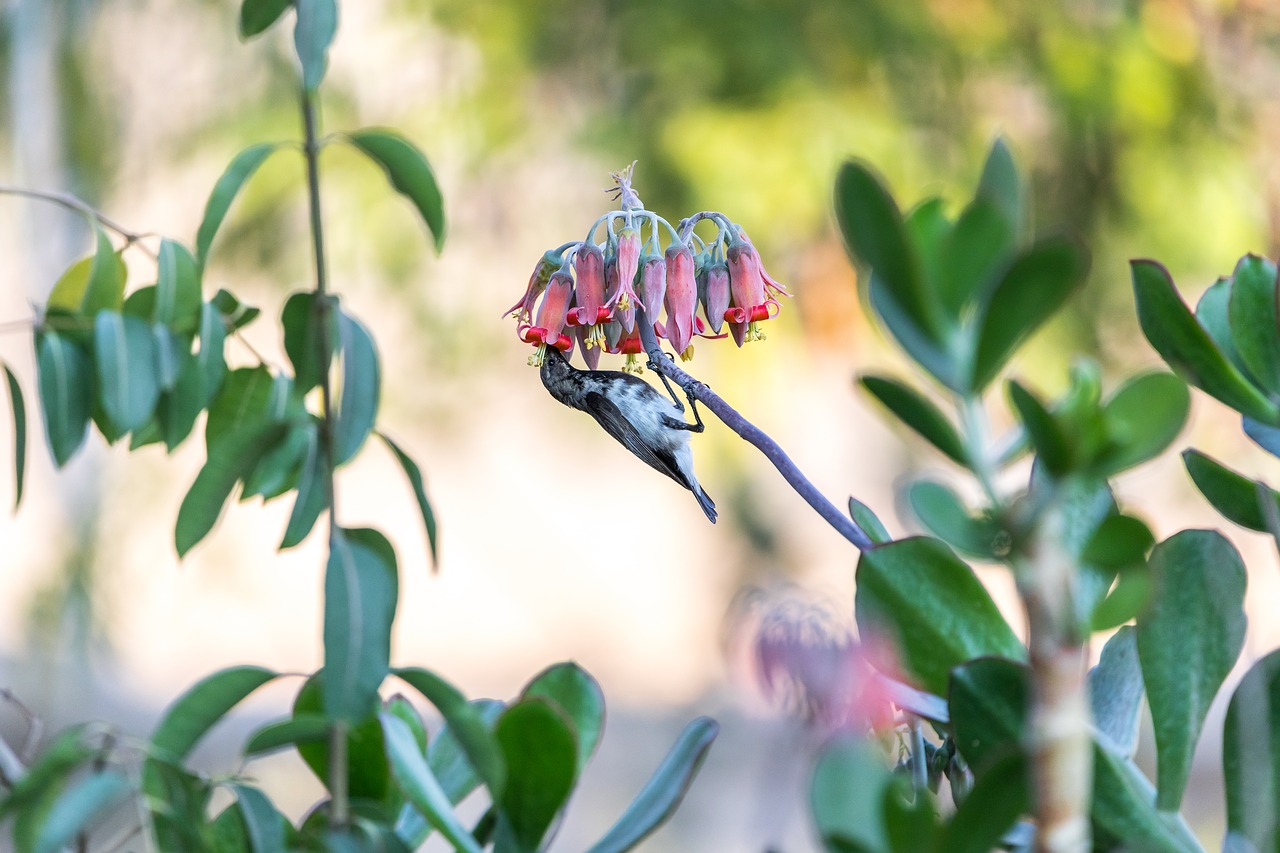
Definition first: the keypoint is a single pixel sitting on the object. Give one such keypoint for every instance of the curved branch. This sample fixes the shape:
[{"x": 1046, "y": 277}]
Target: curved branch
[
  {"x": 701, "y": 392},
  {"x": 72, "y": 203}
]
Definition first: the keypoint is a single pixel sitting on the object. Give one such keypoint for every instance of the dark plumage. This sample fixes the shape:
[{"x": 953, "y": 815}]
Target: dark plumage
[{"x": 635, "y": 413}]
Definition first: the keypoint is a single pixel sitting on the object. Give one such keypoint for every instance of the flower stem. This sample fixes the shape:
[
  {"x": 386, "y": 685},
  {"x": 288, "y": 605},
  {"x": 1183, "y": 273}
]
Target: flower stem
[
  {"x": 843, "y": 525},
  {"x": 339, "y": 814}
]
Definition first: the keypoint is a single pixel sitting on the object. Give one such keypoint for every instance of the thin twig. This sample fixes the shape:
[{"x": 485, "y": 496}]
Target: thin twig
[
  {"x": 70, "y": 202},
  {"x": 844, "y": 525}
]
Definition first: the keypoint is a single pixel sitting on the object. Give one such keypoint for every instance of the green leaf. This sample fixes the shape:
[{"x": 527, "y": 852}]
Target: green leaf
[
  {"x": 1266, "y": 437},
  {"x": 196, "y": 711},
  {"x": 662, "y": 794},
  {"x": 1187, "y": 348},
  {"x": 368, "y": 776},
  {"x": 975, "y": 254},
  {"x": 927, "y": 229},
  {"x": 65, "y": 380},
  {"x": 416, "y": 780},
  {"x": 874, "y": 233},
  {"x": 1200, "y": 582},
  {"x": 264, "y": 825},
  {"x": 944, "y": 515},
  {"x": 1251, "y": 755},
  {"x": 301, "y": 728},
  {"x": 357, "y": 406},
  {"x": 1143, "y": 417},
  {"x": 845, "y": 796},
  {"x": 125, "y": 360},
  {"x": 910, "y": 818},
  {"x": 1120, "y": 540},
  {"x": 919, "y": 413},
  {"x": 170, "y": 351},
  {"x": 1128, "y": 600},
  {"x": 312, "y": 34},
  {"x": 541, "y": 758},
  {"x": 19, "y": 409},
  {"x": 1232, "y": 494},
  {"x": 256, "y": 16},
  {"x": 77, "y": 806},
  {"x": 1124, "y": 812},
  {"x": 466, "y": 724},
  {"x": 573, "y": 691},
  {"x": 210, "y": 364},
  {"x": 230, "y": 460},
  {"x": 302, "y": 327},
  {"x": 867, "y": 520},
  {"x": 1053, "y": 448},
  {"x": 918, "y": 593},
  {"x": 1115, "y": 691},
  {"x": 1001, "y": 185},
  {"x": 449, "y": 760},
  {"x": 93, "y": 284},
  {"x": 937, "y": 361},
  {"x": 1212, "y": 313},
  {"x": 243, "y": 402},
  {"x": 1251, "y": 312},
  {"x": 312, "y": 493},
  {"x": 988, "y": 700},
  {"x": 1032, "y": 289},
  {"x": 409, "y": 172},
  {"x": 999, "y": 797},
  {"x": 178, "y": 802},
  {"x": 280, "y": 467},
  {"x": 238, "y": 172},
  {"x": 360, "y": 591},
  {"x": 177, "y": 293},
  {"x": 56, "y": 762},
  {"x": 237, "y": 314},
  {"x": 414, "y": 474}
]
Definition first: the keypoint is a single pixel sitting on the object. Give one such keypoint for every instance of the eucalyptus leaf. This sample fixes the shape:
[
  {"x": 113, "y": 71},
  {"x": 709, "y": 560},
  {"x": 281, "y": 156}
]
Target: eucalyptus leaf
[
  {"x": 189, "y": 717},
  {"x": 77, "y": 806},
  {"x": 409, "y": 172},
  {"x": 414, "y": 475},
  {"x": 416, "y": 780},
  {"x": 919, "y": 594},
  {"x": 662, "y": 794},
  {"x": 177, "y": 293},
  {"x": 256, "y": 16},
  {"x": 1200, "y": 581},
  {"x": 541, "y": 757},
  {"x": 317, "y": 23},
  {"x": 368, "y": 775},
  {"x": 274, "y": 736},
  {"x": 65, "y": 381},
  {"x": 229, "y": 184},
  {"x": 93, "y": 284},
  {"x": 466, "y": 723},
  {"x": 125, "y": 359},
  {"x": 230, "y": 460},
  {"x": 19, "y": 409},
  {"x": 312, "y": 496},
  {"x": 264, "y": 825},
  {"x": 361, "y": 587},
  {"x": 357, "y": 407}
]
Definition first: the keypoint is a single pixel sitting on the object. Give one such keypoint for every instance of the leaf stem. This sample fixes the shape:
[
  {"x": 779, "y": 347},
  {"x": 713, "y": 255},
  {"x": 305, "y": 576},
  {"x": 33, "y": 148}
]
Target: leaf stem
[
  {"x": 701, "y": 392},
  {"x": 340, "y": 806}
]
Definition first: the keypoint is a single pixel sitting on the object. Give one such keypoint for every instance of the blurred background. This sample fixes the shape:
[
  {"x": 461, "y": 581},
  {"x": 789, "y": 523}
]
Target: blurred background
[{"x": 1147, "y": 128}]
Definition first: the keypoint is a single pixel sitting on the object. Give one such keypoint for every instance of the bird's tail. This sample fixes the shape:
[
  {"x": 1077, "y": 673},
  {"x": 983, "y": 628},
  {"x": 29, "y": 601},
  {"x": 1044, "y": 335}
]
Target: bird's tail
[{"x": 704, "y": 501}]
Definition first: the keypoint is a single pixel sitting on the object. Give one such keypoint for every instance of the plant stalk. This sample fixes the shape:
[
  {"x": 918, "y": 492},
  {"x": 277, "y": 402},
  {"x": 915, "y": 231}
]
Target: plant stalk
[
  {"x": 1061, "y": 748},
  {"x": 340, "y": 813},
  {"x": 699, "y": 391}
]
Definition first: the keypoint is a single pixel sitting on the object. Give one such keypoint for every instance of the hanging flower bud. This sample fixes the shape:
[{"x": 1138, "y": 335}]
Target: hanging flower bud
[
  {"x": 628, "y": 255},
  {"x": 716, "y": 303},
  {"x": 746, "y": 285},
  {"x": 682, "y": 299},
  {"x": 622, "y": 298},
  {"x": 550, "y": 261},
  {"x": 653, "y": 284}
]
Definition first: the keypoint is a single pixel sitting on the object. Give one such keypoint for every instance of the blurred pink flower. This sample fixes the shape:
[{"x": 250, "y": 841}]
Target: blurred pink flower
[
  {"x": 547, "y": 264},
  {"x": 717, "y": 304},
  {"x": 552, "y": 312}
]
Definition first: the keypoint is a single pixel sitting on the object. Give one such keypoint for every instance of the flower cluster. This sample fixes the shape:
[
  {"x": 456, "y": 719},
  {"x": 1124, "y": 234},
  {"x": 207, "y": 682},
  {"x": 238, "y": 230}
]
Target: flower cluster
[{"x": 587, "y": 293}]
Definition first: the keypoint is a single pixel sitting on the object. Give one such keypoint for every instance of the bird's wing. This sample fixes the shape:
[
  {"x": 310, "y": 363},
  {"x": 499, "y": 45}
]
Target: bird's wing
[{"x": 611, "y": 418}]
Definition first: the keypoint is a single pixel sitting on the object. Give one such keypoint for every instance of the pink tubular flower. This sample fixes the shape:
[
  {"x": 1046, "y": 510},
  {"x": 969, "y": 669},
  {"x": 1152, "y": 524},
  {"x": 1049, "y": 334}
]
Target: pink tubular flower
[
  {"x": 632, "y": 348},
  {"x": 589, "y": 298},
  {"x": 547, "y": 264},
  {"x": 621, "y": 296},
  {"x": 552, "y": 312},
  {"x": 628, "y": 256},
  {"x": 717, "y": 300},
  {"x": 682, "y": 299}
]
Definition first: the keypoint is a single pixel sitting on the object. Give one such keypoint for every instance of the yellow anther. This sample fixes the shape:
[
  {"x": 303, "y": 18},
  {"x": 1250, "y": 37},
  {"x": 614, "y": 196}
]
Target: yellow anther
[
  {"x": 687, "y": 355},
  {"x": 623, "y": 302},
  {"x": 539, "y": 356}
]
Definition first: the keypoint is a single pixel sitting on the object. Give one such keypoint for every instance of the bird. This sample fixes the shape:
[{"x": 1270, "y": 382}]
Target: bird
[{"x": 635, "y": 413}]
